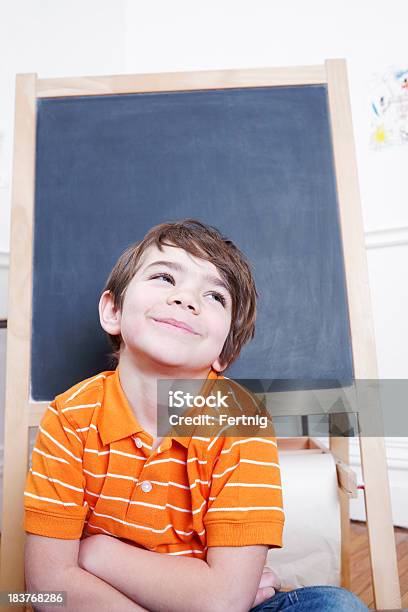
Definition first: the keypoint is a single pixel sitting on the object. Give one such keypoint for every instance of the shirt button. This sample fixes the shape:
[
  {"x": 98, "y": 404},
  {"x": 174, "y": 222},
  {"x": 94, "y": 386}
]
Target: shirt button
[
  {"x": 146, "y": 486},
  {"x": 138, "y": 442}
]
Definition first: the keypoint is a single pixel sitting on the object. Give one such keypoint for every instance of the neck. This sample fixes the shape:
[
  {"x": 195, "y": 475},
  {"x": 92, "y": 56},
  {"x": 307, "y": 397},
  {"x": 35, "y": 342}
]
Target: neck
[{"x": 138, "y": 380}]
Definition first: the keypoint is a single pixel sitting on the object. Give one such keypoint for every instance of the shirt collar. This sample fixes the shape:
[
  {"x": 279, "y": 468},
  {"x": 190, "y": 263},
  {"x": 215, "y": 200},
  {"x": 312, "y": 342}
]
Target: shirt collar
[{"x": 116, "y": 419}]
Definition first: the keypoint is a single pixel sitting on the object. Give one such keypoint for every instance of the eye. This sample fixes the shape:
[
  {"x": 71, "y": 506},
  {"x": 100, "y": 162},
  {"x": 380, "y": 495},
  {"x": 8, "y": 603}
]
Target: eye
[
  {"x": 219, "y": 297},
  {"x": 167, "y": 277}
]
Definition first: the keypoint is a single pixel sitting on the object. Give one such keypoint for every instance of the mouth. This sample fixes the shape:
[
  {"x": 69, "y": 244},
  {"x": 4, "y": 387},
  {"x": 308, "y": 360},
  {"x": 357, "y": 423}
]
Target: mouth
[{"x": 175, "y": 324}]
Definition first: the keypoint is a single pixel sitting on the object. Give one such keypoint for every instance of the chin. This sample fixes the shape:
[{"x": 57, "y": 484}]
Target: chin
[
  {"x": 179, "y": 364},
  {"x": 170, "y": 359}
]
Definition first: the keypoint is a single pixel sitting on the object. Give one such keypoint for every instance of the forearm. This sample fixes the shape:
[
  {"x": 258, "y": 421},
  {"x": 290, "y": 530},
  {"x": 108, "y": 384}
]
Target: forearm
[
  {"x": 156, "y": 581},
  {"x": 88, "y": 593}
]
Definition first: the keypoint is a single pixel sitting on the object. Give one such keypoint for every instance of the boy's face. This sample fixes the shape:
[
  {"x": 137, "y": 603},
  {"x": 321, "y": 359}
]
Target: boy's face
[{"x": 176, "y": 312}]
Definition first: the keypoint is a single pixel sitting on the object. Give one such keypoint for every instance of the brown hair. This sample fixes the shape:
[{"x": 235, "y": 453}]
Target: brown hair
[{"x": 205, "y": 242}]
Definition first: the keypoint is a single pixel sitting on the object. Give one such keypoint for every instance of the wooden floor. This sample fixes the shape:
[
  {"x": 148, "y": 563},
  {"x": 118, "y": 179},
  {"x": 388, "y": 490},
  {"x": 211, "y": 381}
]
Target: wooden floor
[{"x": 360, "y": 563}]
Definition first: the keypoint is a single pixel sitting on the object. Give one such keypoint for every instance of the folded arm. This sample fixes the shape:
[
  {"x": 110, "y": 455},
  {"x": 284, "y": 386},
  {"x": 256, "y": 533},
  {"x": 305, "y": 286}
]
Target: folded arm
[
  {"x": 51, "y": 564},
  {"x": 228, "y": 580}
]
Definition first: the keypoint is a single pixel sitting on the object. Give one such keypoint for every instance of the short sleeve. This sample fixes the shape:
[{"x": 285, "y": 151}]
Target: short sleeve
[
  {"x": 245, "y": 502},
  {"x": 54, "y": 493}
]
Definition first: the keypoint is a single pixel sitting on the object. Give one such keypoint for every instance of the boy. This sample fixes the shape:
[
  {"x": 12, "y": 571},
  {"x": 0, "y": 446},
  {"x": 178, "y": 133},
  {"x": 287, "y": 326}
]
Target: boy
[{"x": 172, "y": 523}]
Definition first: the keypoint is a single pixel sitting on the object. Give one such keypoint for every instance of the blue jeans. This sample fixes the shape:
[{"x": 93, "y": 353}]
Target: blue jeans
[{"x": 313, "y": 598}]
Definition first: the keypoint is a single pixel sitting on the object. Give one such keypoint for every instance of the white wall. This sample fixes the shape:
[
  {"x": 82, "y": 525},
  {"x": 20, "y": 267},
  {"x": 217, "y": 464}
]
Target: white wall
[{"x": 68, "y": 37}]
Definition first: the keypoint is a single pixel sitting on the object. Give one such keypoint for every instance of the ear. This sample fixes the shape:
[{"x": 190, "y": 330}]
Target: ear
[{"x": 109, "y": 315}]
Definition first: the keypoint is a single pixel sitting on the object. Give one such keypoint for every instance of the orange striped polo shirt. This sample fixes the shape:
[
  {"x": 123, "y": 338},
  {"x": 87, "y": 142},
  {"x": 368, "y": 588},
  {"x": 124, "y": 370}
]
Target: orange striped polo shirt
[{"x": 93, "y": 471}]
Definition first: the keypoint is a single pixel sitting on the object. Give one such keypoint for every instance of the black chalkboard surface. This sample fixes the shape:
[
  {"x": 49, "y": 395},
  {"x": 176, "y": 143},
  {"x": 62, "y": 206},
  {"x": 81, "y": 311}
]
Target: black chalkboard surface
[{"x": 257, "y": 163}]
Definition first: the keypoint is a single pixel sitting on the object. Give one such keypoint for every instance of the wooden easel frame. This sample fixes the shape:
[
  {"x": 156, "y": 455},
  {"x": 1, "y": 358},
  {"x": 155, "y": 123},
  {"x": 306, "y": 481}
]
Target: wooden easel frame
[{"x": 22, "y": 413}]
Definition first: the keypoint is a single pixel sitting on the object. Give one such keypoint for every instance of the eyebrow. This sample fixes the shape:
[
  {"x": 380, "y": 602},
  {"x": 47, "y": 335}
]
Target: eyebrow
[{"x": 215, "y": 280}]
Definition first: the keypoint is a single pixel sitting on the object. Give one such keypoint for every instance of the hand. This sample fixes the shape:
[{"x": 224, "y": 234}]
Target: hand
[{"x": 267, "y": 585}]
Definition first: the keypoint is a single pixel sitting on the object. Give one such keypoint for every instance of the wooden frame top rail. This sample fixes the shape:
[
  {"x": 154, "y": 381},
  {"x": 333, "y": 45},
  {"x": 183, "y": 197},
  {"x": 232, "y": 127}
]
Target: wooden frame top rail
[{"x": 179, "y": 81}]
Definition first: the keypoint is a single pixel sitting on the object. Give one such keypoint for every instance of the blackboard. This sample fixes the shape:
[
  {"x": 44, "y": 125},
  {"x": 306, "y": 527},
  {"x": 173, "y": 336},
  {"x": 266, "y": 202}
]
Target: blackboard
[{"x": 257, "y": 163}]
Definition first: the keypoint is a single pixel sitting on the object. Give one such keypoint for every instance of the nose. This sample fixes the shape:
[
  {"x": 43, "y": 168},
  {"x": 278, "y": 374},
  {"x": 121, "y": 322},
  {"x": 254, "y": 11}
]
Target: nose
[{"x": 185, "y": 299}]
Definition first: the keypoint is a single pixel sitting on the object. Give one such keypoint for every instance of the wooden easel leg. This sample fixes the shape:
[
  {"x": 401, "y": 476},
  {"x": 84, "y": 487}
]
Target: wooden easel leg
[
  {"x": 384, "y": 567},
  {"x": 13, "y": 535}
]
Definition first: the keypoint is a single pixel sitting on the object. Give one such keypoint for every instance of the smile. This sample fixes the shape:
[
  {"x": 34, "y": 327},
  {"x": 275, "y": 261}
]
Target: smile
[{"x": 176, "y": 325}]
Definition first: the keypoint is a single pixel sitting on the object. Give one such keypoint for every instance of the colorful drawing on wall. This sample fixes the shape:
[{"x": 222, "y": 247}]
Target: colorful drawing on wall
[{"x": 389, "y": 109}]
